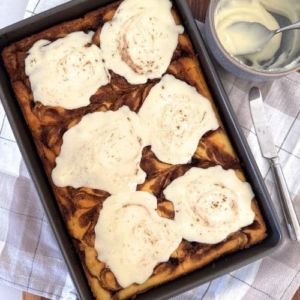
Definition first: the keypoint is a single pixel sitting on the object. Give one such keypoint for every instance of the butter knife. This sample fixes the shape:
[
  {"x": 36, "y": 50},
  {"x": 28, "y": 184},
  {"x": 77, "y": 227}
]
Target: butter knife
[{"x": 269, "y": 151}]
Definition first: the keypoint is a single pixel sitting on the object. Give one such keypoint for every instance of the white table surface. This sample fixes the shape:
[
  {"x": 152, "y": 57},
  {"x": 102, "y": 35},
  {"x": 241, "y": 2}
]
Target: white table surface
[{"x": 11, "y": 11}]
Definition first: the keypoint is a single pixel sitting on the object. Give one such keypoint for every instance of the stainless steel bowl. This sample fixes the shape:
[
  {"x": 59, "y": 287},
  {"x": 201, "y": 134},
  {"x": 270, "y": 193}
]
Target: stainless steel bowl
[{"x": 240, "y": 69}]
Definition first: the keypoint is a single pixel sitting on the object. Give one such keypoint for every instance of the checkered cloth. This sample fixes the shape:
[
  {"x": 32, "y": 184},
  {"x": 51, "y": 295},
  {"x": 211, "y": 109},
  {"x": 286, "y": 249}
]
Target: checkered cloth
[{"x": 29, "y": 256}]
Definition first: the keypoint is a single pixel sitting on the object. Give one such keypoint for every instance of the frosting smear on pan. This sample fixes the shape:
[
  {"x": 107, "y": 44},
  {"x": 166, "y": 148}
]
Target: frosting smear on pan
[
  {"x": 66, "y": 72},
  {"x": 139, "y": 42}
]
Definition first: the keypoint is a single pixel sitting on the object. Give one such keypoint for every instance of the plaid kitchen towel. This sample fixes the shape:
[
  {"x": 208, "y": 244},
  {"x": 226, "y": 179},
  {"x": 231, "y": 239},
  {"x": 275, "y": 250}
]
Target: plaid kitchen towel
[{"x": 29, "y": 256}]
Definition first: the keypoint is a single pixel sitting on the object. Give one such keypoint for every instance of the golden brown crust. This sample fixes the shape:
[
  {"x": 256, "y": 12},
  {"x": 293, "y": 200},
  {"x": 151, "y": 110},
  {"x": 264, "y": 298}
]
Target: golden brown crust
[{"x": 80, "y": 207}]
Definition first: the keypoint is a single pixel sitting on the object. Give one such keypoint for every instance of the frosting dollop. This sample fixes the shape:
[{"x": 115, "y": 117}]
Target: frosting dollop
[
  {"x": 103, "y": 152},
  {"x": 177, "y": 116},
  {"x": 210, "y": 204},
  {"x": 139, "y": 42},
  {"x": 131, "y": 238},
  {"x": 67, "y": 72}
]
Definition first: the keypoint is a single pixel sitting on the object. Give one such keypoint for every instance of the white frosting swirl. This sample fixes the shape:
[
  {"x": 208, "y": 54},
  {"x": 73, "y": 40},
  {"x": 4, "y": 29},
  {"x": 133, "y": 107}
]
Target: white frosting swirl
[
  {"x": 66, "y": 72},
  {"x": 103, "y": 152},
  {"x": 210, "y": 204},
  {"x": 177, "y": 116},
  {"x": 132, "y": 239},
  {"x": 139, "y": 42}
]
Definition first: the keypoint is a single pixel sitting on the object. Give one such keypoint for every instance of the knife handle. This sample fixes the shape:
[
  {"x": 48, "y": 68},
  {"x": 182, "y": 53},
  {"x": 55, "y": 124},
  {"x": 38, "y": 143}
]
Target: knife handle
[{"x": 286, "y": 202}]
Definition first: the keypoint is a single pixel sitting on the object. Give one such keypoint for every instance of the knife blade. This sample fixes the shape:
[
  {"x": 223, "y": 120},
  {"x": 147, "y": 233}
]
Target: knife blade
[
  {"x": 268, "y": 150},
  {"x": 261, "y": 125}
]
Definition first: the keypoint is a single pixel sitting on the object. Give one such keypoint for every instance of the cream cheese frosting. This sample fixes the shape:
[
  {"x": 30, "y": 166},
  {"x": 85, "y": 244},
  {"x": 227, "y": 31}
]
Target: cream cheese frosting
[
  {"x": 230, "y": 12},
  {"x": 102, "y": 152},
  {"x": 139, "y": 42},
  {"x": 131, "y": 238},
  {"x": 177, "y": 116},
  {"x": 210, "y": 204},
  {"x": 66, "y": 72},
  {"x": 268, "y": 13}
]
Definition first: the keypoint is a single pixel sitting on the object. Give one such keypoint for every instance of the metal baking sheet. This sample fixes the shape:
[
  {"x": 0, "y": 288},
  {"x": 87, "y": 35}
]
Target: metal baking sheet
[{"x": 228, "y": 263}]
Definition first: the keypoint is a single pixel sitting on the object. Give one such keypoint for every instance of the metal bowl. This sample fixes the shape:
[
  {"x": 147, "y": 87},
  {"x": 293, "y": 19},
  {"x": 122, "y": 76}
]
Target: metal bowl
[{"x": 240, "y": 69}]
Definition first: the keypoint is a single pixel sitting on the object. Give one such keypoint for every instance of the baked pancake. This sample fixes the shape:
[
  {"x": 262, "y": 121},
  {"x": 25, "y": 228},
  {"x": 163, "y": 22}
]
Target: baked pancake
[{"x": 80, "y": 207}]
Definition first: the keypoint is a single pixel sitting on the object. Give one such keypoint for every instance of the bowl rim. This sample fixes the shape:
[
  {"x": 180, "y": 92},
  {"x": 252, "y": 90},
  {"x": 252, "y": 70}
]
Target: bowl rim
[{"x": 211, "y": 19}]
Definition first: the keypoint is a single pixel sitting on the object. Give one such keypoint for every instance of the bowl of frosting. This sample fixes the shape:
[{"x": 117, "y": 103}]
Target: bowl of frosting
[{"x": 278, "y": 57}]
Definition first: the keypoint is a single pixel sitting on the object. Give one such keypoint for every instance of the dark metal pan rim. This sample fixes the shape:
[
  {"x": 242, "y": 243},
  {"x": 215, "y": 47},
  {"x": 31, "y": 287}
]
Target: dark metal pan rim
[{"x": 228, "y": 263}]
